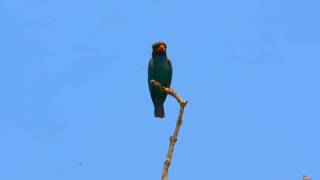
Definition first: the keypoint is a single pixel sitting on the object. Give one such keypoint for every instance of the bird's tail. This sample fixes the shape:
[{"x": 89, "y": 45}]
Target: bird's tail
[{"x": 159, "y": 111}]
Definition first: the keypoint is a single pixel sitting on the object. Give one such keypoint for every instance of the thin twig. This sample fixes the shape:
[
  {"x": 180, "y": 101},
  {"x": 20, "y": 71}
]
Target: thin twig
[
  {"x": 173, "y": 138},
  {"x": 306, "y": 177}
]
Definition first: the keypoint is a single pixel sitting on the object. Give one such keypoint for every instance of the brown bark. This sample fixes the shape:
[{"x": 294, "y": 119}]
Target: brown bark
[{"x": 173, "y": 138}]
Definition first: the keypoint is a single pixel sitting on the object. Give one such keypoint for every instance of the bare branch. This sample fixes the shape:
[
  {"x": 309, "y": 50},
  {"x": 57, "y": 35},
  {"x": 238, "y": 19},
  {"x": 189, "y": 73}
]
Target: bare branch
[
  {"x": 306, "y": 177},
  {"x": 173, "y": 138}
]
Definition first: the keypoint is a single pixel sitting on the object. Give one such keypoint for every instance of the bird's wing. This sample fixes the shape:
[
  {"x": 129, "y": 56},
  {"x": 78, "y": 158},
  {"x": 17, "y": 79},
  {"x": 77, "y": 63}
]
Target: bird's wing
[
  {"x": 150, "y": 77},
  {"x": 170, "y": 73}
]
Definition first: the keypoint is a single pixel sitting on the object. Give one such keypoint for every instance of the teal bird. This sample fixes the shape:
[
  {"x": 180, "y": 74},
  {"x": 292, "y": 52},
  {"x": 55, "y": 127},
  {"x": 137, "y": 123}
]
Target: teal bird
[{"x": 159, "y": 69}]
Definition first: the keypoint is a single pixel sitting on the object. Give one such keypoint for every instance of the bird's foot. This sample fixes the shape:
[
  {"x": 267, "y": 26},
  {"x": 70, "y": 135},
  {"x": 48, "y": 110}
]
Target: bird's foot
[{"x": 168, "y": 90}]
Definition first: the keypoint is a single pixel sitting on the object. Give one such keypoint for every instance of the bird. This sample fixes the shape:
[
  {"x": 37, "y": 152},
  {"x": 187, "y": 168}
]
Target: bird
[{"x": 159, "y": 69}]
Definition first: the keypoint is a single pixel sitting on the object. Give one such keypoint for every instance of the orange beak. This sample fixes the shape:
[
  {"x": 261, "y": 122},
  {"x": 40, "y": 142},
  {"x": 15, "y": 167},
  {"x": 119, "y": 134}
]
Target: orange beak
[{"x": 161, "y": 48}]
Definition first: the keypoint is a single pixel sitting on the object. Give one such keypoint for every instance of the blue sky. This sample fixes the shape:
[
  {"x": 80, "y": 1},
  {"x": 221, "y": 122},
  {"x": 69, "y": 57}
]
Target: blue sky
[{"x": 75, "y": 101}]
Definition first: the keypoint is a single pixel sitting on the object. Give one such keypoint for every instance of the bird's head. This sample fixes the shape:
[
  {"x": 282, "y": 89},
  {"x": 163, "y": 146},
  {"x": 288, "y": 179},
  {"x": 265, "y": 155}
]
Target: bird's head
[{"x": 159, "y": 48}]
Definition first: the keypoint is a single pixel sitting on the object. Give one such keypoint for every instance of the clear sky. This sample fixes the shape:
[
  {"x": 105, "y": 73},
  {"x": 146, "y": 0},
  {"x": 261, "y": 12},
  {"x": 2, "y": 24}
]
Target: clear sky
[{"x": 75, "y": 103}]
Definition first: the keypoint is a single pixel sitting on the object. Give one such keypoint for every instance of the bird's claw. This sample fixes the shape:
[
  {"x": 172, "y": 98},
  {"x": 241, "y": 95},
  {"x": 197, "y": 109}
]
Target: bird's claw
[{"x": 168, "y": 90}]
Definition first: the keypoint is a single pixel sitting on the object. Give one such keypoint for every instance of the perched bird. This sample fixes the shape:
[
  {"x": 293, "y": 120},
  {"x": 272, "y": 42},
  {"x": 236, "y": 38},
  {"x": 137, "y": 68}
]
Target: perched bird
[{"x": 159, "y": 69}]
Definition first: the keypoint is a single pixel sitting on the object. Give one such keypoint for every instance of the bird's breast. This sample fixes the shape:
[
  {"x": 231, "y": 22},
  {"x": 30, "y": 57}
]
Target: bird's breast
[{"x": 162, "y": 71}]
